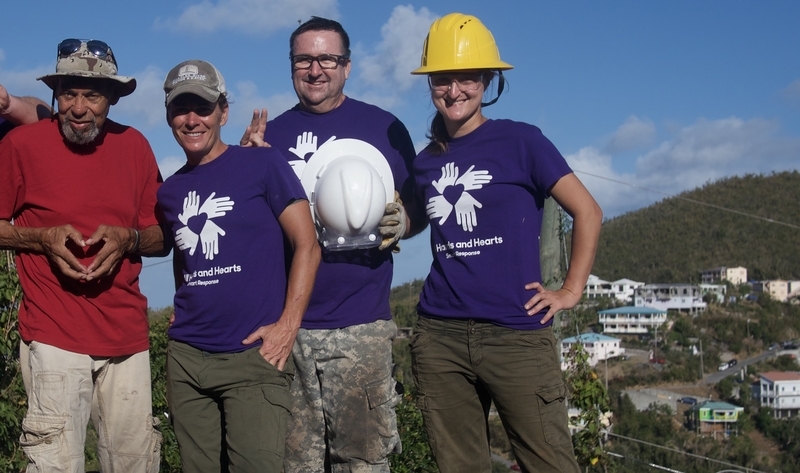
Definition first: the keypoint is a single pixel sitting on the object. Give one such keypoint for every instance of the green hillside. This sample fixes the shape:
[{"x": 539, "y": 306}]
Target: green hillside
[{"x": 673, "y": 240}]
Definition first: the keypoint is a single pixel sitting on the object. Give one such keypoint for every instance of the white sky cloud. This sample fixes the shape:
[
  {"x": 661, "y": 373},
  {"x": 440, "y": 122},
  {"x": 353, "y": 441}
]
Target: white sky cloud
[
  {"x": 246, "y": 99},
  {"x": 703, "y": 152},
  {"x": 792, "y": 93},
  {"x": 634, "y": 134},
  {"x": 388, "y": 67},
  {"x": 145, "y": 108},
  {"x": 258, "y": 17},
  {"x": 23, "y": 82},
  {"x": 170, "y": 164},
  {"x": 613, "y": 198}
]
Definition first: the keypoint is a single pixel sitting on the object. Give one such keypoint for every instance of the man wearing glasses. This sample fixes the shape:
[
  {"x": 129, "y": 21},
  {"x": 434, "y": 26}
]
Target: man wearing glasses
[
  {"x": 81, "y": 192},
  {"x": 344, "y": 395}
]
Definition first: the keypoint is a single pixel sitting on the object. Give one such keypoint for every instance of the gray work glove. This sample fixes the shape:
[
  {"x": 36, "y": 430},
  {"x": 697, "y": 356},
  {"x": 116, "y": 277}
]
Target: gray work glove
[{"x": 392, "y": 226}]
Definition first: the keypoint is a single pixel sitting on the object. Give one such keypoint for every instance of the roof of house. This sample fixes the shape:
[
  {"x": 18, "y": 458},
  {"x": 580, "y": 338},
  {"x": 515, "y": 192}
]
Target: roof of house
[
  {"x": 595, "y": 280},
  {"x": 716, "y": 406},
  {"x": 781, "y": 376},
  {"x": 590, "y": 337},
  {"x": 632, "y": 310},
  {"x": 627, "y": 281},
  {"x": 666, "y": 285}
]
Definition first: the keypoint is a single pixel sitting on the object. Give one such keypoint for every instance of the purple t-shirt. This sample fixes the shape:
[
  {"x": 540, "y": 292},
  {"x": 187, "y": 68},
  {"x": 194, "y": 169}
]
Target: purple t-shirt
[
  {"x": 484, "y": 199},
  {"x": 223, "y": 219},
  {"x": 352, "y": 287}
]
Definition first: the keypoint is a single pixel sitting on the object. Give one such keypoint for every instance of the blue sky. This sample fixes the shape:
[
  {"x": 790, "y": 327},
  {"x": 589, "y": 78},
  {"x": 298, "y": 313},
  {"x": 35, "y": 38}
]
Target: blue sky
[{"x": 663, "y": 95}]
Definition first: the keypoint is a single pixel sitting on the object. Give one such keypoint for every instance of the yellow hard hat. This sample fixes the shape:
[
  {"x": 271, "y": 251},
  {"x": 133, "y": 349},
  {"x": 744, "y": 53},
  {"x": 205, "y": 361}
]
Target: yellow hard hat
[{"x": 459, "y": 42}]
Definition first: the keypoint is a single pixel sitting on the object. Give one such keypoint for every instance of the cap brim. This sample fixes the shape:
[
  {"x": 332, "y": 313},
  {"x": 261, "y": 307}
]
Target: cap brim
[
  {"x": 209, "y": 95},
  {"x": 124, "y": 85}
]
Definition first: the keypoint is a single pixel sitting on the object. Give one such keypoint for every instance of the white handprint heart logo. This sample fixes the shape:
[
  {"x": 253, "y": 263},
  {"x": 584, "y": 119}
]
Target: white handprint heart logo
[
  {"x": 199, "y": 226},
  {"x": 306, "y": 145},
  {"x": 454, "y": 194}
]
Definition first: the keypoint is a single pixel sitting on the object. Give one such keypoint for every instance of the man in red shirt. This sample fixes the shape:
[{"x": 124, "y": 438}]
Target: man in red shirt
[{"x": 80, "y": 190}]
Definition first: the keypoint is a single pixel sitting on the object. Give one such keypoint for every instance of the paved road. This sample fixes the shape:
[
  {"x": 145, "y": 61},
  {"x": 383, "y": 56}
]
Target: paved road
[{"x": 716, "y": 377}]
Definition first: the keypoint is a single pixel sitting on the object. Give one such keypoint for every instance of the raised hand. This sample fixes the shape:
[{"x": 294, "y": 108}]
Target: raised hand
[
  {"x": 254, "y": 133},
  {"x": 5, "y": 99}
]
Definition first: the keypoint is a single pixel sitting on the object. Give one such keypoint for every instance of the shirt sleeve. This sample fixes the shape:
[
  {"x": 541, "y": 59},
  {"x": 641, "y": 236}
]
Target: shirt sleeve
[
  {"x": 149, "y": 213},
  {"x": 12, "y": 190}
]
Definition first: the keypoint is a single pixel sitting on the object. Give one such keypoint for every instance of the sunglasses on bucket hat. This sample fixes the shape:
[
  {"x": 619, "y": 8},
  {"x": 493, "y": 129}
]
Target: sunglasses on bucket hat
[{"x": 96, "y": 48}]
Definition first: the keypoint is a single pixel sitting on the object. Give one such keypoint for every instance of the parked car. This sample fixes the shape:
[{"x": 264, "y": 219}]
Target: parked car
[
  {"x": 722, "y": 366},
  {"x": 688, "y": 400},
  {"x": 774, "y": 346},
  {"x": 732, "y": 363}
]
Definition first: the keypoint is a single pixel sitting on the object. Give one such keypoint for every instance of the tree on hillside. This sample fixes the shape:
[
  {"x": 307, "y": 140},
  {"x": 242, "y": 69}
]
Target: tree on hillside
[{"x": 673, "y": 240}]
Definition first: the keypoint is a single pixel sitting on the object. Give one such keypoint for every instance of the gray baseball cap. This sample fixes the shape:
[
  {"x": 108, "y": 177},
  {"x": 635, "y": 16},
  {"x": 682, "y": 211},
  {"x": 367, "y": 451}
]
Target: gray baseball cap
[
  {"x": 196, "y": 77},
  {"x": 88, "y": 58}
]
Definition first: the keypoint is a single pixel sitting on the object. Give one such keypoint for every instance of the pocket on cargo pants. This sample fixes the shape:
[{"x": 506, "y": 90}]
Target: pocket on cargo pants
[
  {"x": 154, "y": 449},
  {"x": 45, "y": 444}
]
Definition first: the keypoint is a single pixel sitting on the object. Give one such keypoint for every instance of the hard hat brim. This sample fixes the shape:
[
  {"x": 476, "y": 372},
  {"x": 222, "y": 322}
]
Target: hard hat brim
[{"x": 496, "y": 66}]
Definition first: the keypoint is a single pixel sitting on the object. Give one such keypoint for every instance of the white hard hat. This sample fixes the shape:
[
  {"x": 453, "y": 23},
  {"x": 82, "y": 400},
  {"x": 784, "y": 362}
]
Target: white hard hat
[{"x": 349, "y": 183}]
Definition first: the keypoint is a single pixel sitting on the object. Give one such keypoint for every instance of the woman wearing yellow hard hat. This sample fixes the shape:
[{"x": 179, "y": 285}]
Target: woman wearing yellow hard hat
[{"x": 484, "y": 330}]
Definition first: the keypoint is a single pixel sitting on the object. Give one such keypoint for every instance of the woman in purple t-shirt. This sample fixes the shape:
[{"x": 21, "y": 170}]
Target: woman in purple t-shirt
[
  {"x": 231, "y": 213},
  {"x": 484, "y": 332}
]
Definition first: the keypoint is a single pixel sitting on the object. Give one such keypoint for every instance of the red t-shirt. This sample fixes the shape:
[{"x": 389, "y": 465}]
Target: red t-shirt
[{"x": 44, "y": 183}]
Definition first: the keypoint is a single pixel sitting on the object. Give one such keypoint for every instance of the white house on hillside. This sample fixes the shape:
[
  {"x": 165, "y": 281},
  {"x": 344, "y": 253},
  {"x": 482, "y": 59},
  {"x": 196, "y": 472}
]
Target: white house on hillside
[
  {"x": 631, "y": 319},
  {"x": 716, "y": 290},
  {"x": 735, "y": 276},
  {"x": 621, "y": 289},
  {"x": 599, "y": 347},
  {"x": 780, "y": 391},
  {"x": 778, "y": 289},
  {"x": 680, "y": 297}
]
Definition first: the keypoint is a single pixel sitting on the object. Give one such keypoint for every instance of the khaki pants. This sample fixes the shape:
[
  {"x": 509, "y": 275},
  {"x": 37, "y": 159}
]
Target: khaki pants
[
  {"x": 65, "y": 390},
  {"x": 229, "y": 410},
  {"x": 462, "y": 366}
]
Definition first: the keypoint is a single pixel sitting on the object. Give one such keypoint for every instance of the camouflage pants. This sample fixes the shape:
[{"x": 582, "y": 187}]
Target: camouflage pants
[{"x": 343, "y": 400}]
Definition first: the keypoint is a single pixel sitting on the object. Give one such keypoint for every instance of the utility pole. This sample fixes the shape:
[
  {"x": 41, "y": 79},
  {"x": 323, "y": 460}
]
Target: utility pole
[
  {"x": 748, "y": 336},
  {"x": 655, "y": 345},
  {"x": 702, "y": 369},
  {"x": 551, "y": 259}
]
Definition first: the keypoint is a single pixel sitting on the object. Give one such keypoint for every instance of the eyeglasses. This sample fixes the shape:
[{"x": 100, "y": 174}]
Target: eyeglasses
[
  {"x": 96, "y": 48},
  {"x": 444, "y": 82},
  {"x": 325, "y": 61}
]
